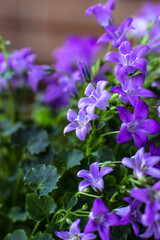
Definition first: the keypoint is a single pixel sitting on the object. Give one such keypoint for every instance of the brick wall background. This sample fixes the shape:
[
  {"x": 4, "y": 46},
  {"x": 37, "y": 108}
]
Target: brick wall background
[{"x": 43, "y": 24}]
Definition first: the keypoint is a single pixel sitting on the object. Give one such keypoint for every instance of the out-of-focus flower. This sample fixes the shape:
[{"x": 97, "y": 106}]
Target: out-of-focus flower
[
  {"x": 149, "y": 196},
  {"x": 136, "y": 125},
  {"x": 130, "y": 89},
  {"x": 102, "y": 12},
  {"x": 75, "y": 49},
  {"x": 128, "y": 60},
  {"x": 74, "y": 233},
  {"x": 142, "y": 164},
  {"x": 100, "y": 220},
  {"x": 130, "y": 214},
  {"x": 96, "y": 98},
  {"x": 80, "y": 123},
  {"x": 94, "y": 178},
  {"x": 115, "y": 34}
]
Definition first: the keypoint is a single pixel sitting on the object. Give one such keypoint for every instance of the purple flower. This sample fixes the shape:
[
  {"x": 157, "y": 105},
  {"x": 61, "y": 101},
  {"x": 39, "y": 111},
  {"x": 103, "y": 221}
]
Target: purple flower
[
  {"x": 128, "y": 60},
  {"x": 130, "y": 89},
  {"x": 94, "y": 178},
  {"x": 36, "y": 74},
  {"x": 74, "y": 233},
  {"x": 116, "y": 34},
  {"x": 149, "y": 196},
  {"x": 153, "y": 228},
  {"x": 96, "y": 98},
  {"x": 142, "y": 164},
  {"x": 100, "y": 220},
  {"x": 130, "y": 214},
  {"x": 102, "y": 12},
  {"x": 75, "y": 49},
  {"x": 80, "y": 122},
  {"x": 135, "y": 125},
  {"x": 154, "y": 151}
]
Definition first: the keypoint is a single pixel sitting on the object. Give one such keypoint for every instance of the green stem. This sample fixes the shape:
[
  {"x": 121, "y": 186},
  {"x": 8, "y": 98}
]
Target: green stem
[
  {"x": 34, "y": 230},
  {"x": 78, "y": 215},
  {"x": 88, "y": 195},
  {"x": 109, "y": 163},
  {"x": 55, "y": 215},
  {"x": 80, "y": 211}
]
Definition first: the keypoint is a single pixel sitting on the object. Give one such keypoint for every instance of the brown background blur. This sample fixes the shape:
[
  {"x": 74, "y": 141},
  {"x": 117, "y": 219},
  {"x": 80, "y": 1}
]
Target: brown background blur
[{"x": 43, "y": 24}]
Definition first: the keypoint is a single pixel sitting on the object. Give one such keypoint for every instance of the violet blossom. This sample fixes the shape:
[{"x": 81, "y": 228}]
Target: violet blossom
[
  {"x": 100, "y": 220},
  {"x": 79, "y": 122},
  {"x": 153, "y": 228},
  {"x": 130, "y": 214},
  {"x": 142, "y": 164},
  {"x": 116, "y": 34},
  {"x": 128, "y": 60},
  {"x": 130, "y": 89},
  {"x": 151, "y": 197},
  {"x": 102, "y": 12},
  {"x": 136, "y": 125},
  {"x": 74, "y": 233},
  {"x": 94, "y": 178},
  {"x": 96, "y": 98}
]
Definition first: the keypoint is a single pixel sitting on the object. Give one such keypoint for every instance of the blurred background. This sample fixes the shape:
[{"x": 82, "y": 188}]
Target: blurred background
[{"x": 43, "y": 24}]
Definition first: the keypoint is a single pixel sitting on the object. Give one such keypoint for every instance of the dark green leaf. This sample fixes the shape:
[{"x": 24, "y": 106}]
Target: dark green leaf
[
  {"x": 16, "y": 235},
  {"x": 120, "y": 232},
  {"x": 71, "y": 158},
  {"x": 39, "y": 208},
  {"x": 16, "y": 214},
  {"x": 34, "y": 139},
  {"x": 42, "y": 236},
  {"x": 43, "y": 179},
  {"x": 69, "y": 201},
  {"x": 103, "y": 154}
]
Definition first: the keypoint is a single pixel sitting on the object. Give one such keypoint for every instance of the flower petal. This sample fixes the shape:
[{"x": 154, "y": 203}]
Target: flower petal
[
  {"x": 83, "y": 185},
  {"x": 105, "y": 170},
  {"x": 123, "y": 135},
  {"x": 74, "y": 228},
  {"x": 125, "y": 115},
  {"x": 140, "y": 138},
  {"x": 150, "y": 126},
  {"x": 99, "y": 207},
  {"x": 141, "y": 110},
  {"x": 125, "y": 48},
  {"x": 70, "y": 127},
  {"x": 94, "y": 169}
]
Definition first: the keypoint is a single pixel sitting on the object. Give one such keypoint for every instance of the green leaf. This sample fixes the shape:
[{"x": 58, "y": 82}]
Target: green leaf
[
  {"x": 16, "y": 235},
  {"x": 38, "y": 142},
  {"x": 42, "y": 236},
  {"x": 34, "y": 139},
  {"x": 39, "y": 208},
  {"x": 103, "y": 154},
  {"x": 120, "y": 232},
  {"x": 69, "y": 201},
  {"x": 42, "y": 179},
  {"x": 16, "y": 214},
  {"x": 71, "y": 158}
]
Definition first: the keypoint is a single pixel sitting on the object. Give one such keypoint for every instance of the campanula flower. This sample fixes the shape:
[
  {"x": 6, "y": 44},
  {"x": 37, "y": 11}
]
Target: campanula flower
[
  {"x": 79, "y": 122},
  {"x": 153, "y": 228},
  {"x": 136, "y": 125},
  {"x": 128, "y": 60},
  {"x": 130, "y": 89},
  {"x": 130, "y": 214},
  {"x": 74, "y": 233},
  {"x": 75, "y": 49},
  {"x": 96, "y": 97},
  {"x": 116, "y": 34},
  {"x": 102, "y": 12},
  {"x": 149, "y": 196},
  {"x": 100, "y": 220},
  {"x": 94, "y": 178},
  {"x": 143, "y": 164}
]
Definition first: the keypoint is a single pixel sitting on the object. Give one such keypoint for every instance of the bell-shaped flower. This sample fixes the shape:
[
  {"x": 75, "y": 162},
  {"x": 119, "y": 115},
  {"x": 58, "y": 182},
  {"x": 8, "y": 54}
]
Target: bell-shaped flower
[
  {"x": 102, "y": 12},
  {"x": 79, "y": 122},
  {"x": 100, "y": 220},
  {"x": 136, "y": 125},
  {"x": 130, "y": 89},
  {"x": 130, "y": 214},
  {"x": 94, "y": 178},
  {"x": 96, "y": 98},
  {"x": 149, "y": 196},
  {"x": 74, "y": 233},
  {"x": 128, "y": 60},
  {"x": 116, "y": 34},
  {"x": 142, "y": 164}
]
